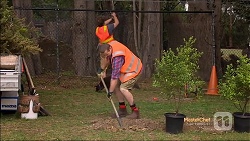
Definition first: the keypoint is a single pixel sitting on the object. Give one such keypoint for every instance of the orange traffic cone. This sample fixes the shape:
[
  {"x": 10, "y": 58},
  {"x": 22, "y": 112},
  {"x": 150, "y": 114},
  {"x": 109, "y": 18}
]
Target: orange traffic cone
[{"x": 212, "y": 87}]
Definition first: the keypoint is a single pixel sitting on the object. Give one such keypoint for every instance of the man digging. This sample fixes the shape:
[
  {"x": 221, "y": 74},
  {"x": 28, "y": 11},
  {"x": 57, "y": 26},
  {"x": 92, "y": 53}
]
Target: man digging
[{"x": 126, "y": 70}]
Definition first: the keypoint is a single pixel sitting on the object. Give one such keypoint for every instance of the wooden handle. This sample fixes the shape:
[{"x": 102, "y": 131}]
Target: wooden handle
[
  {"x": 28, "y": 73},
  {"x": 116, "y": 113}
]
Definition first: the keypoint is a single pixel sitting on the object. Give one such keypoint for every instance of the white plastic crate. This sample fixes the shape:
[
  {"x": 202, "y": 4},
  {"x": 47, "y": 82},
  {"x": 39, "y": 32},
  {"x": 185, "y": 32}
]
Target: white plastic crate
[{"x": 10, "y": 79}]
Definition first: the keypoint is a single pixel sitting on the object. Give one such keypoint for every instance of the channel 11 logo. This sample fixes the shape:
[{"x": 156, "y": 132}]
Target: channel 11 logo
[{"x": 223, "y": 121}]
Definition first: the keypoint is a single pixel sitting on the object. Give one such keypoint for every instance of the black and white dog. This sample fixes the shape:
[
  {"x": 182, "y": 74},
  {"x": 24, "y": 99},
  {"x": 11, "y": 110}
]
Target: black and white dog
[{"x": 99, "y": 87}]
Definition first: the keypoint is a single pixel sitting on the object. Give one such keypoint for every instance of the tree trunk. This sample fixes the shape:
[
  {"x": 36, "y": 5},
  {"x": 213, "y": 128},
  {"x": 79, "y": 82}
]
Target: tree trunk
[
  {"x": 33, "y": 61},
  {"x": 135, "y": 28},
  {"x": 92, "y": 41},
  {"x": 151, "y": 41},
  {"x": 201, "y": 28},
  {"x": 218, "y": 36},
  {"x": 79, "y": 39}
]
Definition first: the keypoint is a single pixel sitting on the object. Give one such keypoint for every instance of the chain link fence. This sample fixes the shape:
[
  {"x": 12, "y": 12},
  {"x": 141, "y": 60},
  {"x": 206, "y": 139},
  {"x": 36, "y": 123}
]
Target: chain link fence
[{"x": 56, "y": 25}]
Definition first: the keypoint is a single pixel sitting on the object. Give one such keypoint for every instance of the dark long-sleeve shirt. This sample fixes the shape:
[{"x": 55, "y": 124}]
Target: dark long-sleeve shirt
[{"x": 111, "y": 28}]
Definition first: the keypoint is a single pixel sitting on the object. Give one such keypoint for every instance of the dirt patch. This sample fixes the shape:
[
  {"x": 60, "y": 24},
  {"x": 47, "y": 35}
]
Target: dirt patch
[
  {"x": 112, "y": 125},
  {"x": 201, "y": 128},
  {"x": 127, "y": 124}
]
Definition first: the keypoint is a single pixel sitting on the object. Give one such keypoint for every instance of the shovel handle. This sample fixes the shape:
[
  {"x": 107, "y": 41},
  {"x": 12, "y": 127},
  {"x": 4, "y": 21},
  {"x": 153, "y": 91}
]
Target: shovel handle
[{"x": 116, "y": 113}]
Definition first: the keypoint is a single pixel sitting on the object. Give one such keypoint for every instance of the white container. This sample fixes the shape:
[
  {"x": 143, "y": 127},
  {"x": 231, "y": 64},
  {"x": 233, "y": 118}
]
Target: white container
[
  {"x": 10, "y": 79},
  {"x": 30, "y": 114}
]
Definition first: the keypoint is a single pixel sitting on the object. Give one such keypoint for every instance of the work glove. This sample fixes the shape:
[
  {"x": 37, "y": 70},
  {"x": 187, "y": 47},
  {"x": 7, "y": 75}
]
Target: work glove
[
  {"x": 100, "y": 72},
  {"x": 109, "y": 94}
]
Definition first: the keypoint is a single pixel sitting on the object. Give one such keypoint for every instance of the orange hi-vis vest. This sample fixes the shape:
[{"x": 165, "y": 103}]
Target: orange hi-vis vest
[
  {"x": 132, "y": 65},
  {"x": 103, "y": 34}
]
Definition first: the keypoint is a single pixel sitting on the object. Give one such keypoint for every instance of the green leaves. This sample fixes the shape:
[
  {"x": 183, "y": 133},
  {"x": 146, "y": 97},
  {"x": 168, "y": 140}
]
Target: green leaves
[
  {"x": 174, "y": 70},
  {"x": 177, "y": 69},
  {"x": 235, "y": 85},
  {"x": 16, "y": 37}
]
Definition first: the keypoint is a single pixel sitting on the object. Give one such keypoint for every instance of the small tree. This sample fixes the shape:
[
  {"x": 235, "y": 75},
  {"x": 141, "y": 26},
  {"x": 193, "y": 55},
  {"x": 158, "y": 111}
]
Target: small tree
[
  {"x": 16, "y": 37},
  {"x": 175, "y": 70},
  {"x": 235, "y": 85}
]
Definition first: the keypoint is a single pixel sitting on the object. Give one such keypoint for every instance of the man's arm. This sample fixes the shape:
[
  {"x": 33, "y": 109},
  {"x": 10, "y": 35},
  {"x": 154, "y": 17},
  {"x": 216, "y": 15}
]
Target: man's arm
[
  {"x": 108, "y": 21},
  {"x": 116, "y": 21},
  {"x": 112, "y": 26}
]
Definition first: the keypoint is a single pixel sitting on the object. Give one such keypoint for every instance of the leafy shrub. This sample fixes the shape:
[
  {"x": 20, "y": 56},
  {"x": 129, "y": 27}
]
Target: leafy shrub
[
  {"x": 16, "y": 37},
  {"x": 235, "y": 85},
  {"x": 174, "y": 70}
]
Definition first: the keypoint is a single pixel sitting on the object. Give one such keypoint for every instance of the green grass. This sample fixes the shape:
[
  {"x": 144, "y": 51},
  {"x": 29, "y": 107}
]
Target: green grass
[{"x": 80, "y": 113}]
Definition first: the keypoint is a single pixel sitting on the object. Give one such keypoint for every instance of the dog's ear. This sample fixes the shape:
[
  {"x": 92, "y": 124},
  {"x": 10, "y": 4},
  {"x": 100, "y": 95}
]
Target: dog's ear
[
  {"x": 97, "y": 88},
  {"x": 100, "y": 86}
]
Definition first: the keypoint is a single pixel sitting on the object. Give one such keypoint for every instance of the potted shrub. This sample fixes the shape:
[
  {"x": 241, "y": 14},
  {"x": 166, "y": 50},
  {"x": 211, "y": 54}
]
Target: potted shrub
[
  {"x": 235, "y": 86},
  {"x": 173, "y": 71}
]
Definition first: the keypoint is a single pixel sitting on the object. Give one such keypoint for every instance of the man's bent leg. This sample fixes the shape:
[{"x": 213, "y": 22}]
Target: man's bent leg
[
  {"x": 125, "y": 87},
  {"x": 128, "y": 85},
  {"x": 122, "y": 111}
]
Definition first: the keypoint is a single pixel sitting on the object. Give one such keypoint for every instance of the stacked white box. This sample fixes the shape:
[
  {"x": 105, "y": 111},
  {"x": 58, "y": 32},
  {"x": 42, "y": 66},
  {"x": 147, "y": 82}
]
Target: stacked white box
[{"x": 10, "y": 81}]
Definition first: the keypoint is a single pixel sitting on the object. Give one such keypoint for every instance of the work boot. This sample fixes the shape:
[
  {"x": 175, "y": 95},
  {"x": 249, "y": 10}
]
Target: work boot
[
  {"x": 134, "y": 115},
  {"x": 122, "y": 112}
]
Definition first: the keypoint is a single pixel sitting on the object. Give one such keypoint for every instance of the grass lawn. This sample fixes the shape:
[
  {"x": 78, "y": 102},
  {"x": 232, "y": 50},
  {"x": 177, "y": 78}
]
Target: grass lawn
[{"x": 80, "y": 113}]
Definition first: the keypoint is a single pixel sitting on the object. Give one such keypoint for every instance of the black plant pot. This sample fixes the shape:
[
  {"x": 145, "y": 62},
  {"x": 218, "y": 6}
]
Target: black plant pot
[
  {"x": 241, "y": 123},
  {"x": 174, "y": 123}
]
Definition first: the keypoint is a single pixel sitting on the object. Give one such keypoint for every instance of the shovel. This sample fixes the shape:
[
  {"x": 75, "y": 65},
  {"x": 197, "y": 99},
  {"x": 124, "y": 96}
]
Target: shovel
[
  {"x": 32, "y": 89},
  {"x": 116, "y": 113}
]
